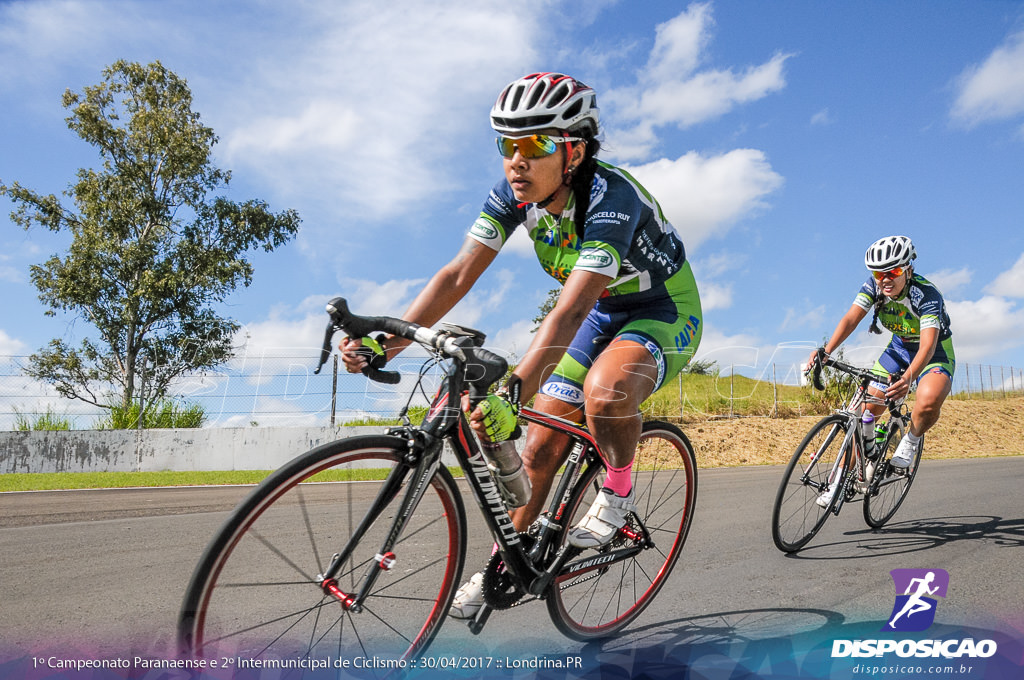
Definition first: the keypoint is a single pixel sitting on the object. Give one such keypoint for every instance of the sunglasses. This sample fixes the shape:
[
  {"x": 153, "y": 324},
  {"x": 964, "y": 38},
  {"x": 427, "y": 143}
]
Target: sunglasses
[
  {"x": 891, "y": 274},
  {"x": 532, "y": 146}
]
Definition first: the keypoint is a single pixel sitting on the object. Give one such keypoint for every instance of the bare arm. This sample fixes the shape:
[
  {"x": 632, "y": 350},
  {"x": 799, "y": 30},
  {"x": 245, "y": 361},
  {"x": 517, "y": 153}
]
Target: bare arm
[
  {"x": 844, "y": 328},
  {"x": 581, "y": 291},
  {"x": 444, "y": 290}
]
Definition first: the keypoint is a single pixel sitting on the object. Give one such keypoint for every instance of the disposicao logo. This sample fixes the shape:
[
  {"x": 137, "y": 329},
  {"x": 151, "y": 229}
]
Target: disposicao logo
[
  {"x": 914, "y": 610},
  {"x": 915, "y": 605}
]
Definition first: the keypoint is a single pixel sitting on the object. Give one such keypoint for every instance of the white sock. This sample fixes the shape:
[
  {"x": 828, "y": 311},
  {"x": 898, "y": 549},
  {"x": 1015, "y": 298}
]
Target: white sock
[{"x": 912, "y": 438}]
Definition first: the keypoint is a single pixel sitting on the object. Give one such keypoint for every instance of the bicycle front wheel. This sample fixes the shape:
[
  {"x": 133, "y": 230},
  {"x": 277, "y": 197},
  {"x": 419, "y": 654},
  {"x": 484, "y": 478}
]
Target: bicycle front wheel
[
  {"x": 599, "y": 601},
  {"x": 257, "y": 594},
  {"x": 813, "y": 470},
  {"x": 890, "y": 485}
]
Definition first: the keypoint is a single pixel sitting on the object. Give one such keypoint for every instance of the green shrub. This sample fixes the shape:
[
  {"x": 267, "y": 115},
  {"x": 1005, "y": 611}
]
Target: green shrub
[
  {"x": 44, "y": 421},
  {"x": 165, "y": 413}
]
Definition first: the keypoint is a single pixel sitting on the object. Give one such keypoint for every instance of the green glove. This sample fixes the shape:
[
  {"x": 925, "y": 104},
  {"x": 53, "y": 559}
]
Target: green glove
[
  {"x": 373, "y": 351},
  {"x": 500, "y": 416}
]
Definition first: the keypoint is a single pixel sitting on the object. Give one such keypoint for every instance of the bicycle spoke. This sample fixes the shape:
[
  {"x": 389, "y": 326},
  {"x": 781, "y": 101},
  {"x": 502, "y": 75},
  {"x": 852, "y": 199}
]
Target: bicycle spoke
[
  {"x": 814, "y": 467},
  {"x": 240, "y": 601},
  {"x": 608, "y": 597}
]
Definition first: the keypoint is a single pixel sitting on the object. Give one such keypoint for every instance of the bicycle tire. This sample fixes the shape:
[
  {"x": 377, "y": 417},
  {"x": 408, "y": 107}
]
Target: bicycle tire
[
  {"x": 886, "y": 493},
  {"x": 796, "y": 515},
  {"x": 599, "y": 603},
  {"x": 255, "y": 592}
]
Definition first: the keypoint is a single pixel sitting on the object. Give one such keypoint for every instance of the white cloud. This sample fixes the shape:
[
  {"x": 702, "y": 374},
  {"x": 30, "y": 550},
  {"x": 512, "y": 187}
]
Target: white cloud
[
  {"x": 950, "y": 280},
  {"x": 822, "y": 117},
  {"x": 11, "y": 346},
  {"x": 670, "y": 89},
  {"x": 347, "y": 114},
  {"x": 804, "y": 317},
  {"x": 703, "y": 196},
  {"x": 985, "y": 327},
  {"x": 714, "y": 295},
  {"x": 994, "y": 89},
  {"x": 39, "y": 38},
  {"x": 1011, "y": 282}
]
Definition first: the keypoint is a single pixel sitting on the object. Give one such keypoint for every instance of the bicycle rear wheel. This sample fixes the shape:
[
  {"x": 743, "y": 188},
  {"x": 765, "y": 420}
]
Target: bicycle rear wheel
[
  {"x": 599, "y": 601},
  {"x": 890, "y": 485},
  {"x": 256, "y": 592},
  {"x": 813, "y": 470}
]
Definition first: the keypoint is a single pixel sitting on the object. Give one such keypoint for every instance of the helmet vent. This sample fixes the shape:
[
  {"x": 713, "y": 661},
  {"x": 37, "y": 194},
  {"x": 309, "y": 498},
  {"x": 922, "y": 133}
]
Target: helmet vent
[
  {"x": 558, "y": 96},
  {"x": 516, "y": 97}
]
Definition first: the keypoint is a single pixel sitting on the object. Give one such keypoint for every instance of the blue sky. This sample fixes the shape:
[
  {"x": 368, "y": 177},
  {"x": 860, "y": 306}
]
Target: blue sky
[{"x": 781, "y": 138}]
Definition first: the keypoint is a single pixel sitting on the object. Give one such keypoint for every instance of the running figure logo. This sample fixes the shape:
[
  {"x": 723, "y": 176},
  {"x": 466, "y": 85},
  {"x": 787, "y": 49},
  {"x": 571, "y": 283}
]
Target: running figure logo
[{"x": 915, "y": 608}]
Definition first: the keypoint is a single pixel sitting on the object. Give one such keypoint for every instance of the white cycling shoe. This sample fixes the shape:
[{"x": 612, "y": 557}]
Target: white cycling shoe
[
  {"x": 607, "y": 514},
  {"x": 904, "y": 455},
  {"x": 826, "y": 496},
  {"x": 469, "y": 598}
]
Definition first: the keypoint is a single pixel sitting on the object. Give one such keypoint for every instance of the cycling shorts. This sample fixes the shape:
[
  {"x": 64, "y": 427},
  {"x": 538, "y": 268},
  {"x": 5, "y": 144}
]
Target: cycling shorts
[
  {"x": 897, "y": 357},
  {"x": 670, "y": 329}
]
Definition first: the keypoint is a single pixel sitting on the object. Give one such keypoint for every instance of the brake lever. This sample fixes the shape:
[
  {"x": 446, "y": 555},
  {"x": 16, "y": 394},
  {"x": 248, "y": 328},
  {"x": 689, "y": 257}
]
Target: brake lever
[{"x": 325, "y": 351}]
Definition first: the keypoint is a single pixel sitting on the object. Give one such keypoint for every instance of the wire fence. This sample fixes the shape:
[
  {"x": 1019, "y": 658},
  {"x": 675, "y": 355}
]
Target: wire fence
[{"x": 273, "y": 389}]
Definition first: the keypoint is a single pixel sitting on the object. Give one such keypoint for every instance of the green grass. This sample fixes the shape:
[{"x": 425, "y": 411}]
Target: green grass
[
  {"x": 51, "y": 481},
  {"x": 707, "y": 395}
]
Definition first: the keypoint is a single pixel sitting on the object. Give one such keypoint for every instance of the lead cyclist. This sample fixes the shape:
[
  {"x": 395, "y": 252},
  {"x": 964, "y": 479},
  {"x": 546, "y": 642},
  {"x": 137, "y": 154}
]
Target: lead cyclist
[{"x": 628, "y": 317}]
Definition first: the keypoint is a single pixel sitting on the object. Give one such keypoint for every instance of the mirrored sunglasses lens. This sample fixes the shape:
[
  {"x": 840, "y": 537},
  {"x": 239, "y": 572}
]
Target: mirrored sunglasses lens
[
  {"x": 891, "y": 274},
  {"x": 536, "y": 146},
  {"x": 506, "y": 146}
]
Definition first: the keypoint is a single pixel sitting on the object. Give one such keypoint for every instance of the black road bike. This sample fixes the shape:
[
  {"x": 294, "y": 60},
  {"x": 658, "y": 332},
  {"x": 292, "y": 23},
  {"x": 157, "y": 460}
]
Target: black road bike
[
  {"x": 323, "y": 559},
  {"x": 830, "y": 468}
]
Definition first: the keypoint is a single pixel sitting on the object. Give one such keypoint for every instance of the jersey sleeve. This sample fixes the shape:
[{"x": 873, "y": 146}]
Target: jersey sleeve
[
  {"x": 612, "y": 219},
  {"x": 929, "y": 306},
  {"x": 866, "y": 295},
  {"x": 498, "y": 219}
]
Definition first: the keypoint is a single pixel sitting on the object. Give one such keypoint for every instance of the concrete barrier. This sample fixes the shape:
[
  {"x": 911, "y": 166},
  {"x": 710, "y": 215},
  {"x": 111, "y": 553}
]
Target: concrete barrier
[{"x": 155, "y": 450}]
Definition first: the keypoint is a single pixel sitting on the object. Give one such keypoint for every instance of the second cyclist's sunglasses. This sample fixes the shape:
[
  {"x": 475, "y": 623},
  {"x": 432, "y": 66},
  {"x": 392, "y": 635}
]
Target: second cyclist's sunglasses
[
  {"x": 532, "y": 146},
  {"x": 891, "y": 274}
]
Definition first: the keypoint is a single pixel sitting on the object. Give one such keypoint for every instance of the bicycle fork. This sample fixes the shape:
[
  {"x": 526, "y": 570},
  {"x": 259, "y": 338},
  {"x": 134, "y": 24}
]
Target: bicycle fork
[{"x": 385, "y": 558}]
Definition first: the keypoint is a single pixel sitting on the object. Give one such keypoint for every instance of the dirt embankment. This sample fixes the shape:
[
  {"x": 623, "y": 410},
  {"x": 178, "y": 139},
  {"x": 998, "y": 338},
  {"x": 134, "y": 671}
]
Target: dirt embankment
[{"x": 967, "y": 429}]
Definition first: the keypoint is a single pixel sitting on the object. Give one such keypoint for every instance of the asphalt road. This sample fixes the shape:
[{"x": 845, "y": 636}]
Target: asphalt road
[{"x": 102, "y": 572}]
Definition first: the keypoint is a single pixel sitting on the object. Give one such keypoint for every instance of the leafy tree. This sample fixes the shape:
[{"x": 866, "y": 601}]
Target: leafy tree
[
  {"x": 545, "y": 308},
  {"x": 151, "y": 251}
]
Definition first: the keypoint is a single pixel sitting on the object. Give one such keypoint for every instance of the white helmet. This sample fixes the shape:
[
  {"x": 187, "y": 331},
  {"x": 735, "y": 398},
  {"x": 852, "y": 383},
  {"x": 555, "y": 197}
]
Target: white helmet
[
  {"x": 888, "y": 253},
  {"x": 545, "y": 100}
]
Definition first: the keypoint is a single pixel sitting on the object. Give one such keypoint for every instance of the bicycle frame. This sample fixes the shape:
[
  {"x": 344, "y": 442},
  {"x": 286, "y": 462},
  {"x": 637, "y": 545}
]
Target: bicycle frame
[
  {"x": 854, "y": 442},
  {"x": 423, "y": 458}
]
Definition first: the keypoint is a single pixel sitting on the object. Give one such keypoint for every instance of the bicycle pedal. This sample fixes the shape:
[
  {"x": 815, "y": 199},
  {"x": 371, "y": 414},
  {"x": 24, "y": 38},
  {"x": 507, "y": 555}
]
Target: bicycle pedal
[{"x": 476, "y": 624}]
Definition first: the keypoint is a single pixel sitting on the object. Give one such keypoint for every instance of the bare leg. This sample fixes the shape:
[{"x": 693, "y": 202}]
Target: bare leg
[
  {"x": 544, "y": 453},
  {"x": 932, "y": 391},
  {"x": 622, "y": 377}
]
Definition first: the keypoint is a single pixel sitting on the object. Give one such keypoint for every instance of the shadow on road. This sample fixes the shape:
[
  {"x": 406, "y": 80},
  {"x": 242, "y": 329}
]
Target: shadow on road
[{"x": 917, "y": 535}]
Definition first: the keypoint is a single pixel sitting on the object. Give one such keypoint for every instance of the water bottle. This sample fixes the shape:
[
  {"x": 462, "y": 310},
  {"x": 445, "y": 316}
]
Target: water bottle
[
  {"x": 881, "y": 433},
  {"x": 507, "y": 467},
  {"x": 867, "y": 419}
]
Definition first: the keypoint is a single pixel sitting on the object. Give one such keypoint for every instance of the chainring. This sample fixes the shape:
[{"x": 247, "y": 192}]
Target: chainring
[{"x": 499, "y": 588}]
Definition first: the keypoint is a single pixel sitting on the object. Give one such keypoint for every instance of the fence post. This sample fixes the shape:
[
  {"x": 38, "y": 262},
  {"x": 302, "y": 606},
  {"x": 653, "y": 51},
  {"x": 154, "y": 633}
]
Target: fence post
[
  {"x": 334, "y": 390},
  {"x": 981, "y": 379},
  {"x": 1002, "y": 382},
  {"x": 680, "y": 381},
  {"x": 732, "y": 380},
  {"x": 967, "y": 378},
  {"x": 775, "y": 393}
]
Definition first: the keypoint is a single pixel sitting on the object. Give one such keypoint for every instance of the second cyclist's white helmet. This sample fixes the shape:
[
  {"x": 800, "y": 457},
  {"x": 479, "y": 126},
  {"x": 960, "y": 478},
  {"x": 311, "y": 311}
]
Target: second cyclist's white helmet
[
  {"x": 542, "y": 101},
  {"x": 888, "y": 253}
]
